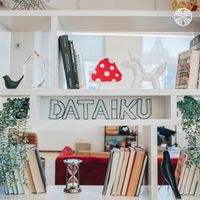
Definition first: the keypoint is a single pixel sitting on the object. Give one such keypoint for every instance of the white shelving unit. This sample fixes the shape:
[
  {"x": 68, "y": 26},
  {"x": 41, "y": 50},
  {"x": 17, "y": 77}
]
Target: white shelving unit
[{"x": 137, "y": 22}]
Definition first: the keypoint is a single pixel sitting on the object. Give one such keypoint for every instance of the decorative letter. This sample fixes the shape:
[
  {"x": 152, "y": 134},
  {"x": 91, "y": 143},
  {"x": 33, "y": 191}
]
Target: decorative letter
[
  {"x": 140, "y": 110},
  {"x": 57, "y": 109},
  {"x": 124, "y": 109},
  {"x": 71, "y": 110},
  {"x": 85, "y": 104},
  {"x": 114, "y": 109},
  {"x": 100, "y": 110}
]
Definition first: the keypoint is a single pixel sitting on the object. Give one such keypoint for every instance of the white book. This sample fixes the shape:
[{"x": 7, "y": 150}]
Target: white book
[
  {"x": 182, "y": 189},
  {"x": 128, "y": 171},
  {"x": 117, "y": 176},
  {"x": 113, "y": 171},
  {"x": 195, "y": 181},
  {"x": 189, "y": 180},
  {"x": 123, "y": 171}
]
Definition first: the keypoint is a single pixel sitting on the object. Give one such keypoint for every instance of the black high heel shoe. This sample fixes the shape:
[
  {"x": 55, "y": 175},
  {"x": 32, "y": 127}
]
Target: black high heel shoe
[{"x": 168, "y": 173}]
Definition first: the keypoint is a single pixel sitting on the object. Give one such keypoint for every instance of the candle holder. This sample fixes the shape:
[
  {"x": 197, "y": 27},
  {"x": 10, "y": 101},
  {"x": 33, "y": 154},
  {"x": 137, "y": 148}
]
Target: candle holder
[{"x": 72, "y": 175}]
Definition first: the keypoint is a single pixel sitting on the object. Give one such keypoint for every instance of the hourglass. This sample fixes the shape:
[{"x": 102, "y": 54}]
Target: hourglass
[{"x": 72, "y": 175}]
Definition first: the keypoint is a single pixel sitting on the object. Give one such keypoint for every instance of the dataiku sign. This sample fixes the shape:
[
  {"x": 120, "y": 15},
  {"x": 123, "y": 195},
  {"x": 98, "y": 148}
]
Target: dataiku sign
[
  {"x": 100, "y": 108},
  {"x": 126, "y": 107}
]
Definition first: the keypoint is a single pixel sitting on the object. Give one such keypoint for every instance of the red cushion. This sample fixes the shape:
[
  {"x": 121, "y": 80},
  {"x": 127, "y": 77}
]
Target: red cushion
[{"x": 66, "y": 151}]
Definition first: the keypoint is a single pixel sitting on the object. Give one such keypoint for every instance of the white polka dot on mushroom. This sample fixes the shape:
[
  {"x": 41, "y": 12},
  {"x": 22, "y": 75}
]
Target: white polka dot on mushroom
[
  {"x": 116, "y": 75},
  {"x": 95, "y": 72},
  {"x": 106, "y": 73},
  {"x": 102, "y": 65},
  {"x": 98, "y": 80},
  {"x": 112, "y": 67}
]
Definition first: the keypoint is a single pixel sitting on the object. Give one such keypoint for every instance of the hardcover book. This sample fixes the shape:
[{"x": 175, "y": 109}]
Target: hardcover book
[
  {"x": 188, "y": 70},
  {"x": 67, "y": 61}
]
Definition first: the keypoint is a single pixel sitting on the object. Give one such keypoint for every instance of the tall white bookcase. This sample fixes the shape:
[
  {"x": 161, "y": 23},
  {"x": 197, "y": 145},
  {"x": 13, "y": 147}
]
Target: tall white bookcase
[{"x": 141, "y": 22}]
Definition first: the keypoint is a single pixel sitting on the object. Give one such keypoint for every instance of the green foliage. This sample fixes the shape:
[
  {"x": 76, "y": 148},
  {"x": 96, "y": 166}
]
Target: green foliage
[
  {"x": 190, "y": 110},
  {"x": 13, "y": 140}
]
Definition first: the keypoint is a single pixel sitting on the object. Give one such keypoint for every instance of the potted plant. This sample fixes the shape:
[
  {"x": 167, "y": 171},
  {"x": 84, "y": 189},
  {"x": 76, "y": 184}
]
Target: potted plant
[
  {"x": 13, "y": 140},
  {"x": 190, "y": 110}
]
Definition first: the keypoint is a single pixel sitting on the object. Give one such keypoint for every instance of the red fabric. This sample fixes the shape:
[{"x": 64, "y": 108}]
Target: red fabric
[
  {"x": 161, "y": 180},
  {"x": 92, "y": 169}
]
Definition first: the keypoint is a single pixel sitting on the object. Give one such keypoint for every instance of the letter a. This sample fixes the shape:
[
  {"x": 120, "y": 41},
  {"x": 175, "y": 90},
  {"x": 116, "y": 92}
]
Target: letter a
[
  {"x": 71, "y": 110},
  {"x": 100, "y": 110}
]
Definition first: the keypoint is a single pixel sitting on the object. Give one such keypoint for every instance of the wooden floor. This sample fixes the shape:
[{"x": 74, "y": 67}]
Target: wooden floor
[{"x": 49, "y": 166}]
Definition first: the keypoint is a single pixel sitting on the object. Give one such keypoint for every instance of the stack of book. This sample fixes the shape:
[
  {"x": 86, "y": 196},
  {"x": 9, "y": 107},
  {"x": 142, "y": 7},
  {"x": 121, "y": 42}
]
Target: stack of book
[
  {"x": 187, "y": 178},
  {"x": 125, "y": 172},
  {"x": 74, "y": 74},
  {"x": 34, "y": 174}
]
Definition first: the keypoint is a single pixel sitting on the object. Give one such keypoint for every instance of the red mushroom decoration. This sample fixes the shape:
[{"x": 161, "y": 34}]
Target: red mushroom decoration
[{"x": 106, "y": 71}]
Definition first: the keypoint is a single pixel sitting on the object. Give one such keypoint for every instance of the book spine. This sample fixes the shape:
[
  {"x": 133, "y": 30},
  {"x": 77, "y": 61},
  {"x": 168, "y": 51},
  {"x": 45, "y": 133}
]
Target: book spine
[
  {"x": 40, "y": 168},
  {"x": 74, "y": 65},
  {"x": 65, "y": 52}
]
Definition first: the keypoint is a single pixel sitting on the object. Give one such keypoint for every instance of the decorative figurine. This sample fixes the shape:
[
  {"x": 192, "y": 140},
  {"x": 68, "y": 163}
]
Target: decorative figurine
[
  {"x": 140, "y": 75},
  {"x": 106, "y": 71},
  {"x": 10, "y": 84},
  {"x": 168, "y": 173},
  {"x": 72, "y": 175}
]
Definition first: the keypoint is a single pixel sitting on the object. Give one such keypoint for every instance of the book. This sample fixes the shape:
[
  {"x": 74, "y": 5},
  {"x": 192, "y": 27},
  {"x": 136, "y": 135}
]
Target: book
[
  {"x": 117, "y": 176},
  {"x": 185, "y": 177},
  {"x": 67, "y": 61},
  {"x": 128, "y": 171},
  {"x": 40, "y": 168},
  {"x": 30, "y": 178},
  {"x": 113, "y": 171},
  {"x": 141, "y": 176},
  {"x": 189, "y": 180},
  {"x": 80, "y": 70},
  {"x": 188, "y": 70},
  {"x": 135, "y": 174},
  {"x": 108, "y": 172},
  {"x": 74, "y": 64},
  {"x": 180, "y": 165},
  {"x": 180, "y": 183},
  {"x": 123, "y": 171},
  {"x": 112, "y": 130},
  {"x": 35, "y": 171},
  {"x": 195, "y": 181}
]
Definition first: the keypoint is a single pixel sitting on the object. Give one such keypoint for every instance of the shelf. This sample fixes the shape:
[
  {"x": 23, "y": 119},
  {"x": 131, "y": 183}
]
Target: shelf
[
  {"x": 98, "y": 20},
  {"x": 80, "y": 92},
  {"x": 60, "y": 124}
]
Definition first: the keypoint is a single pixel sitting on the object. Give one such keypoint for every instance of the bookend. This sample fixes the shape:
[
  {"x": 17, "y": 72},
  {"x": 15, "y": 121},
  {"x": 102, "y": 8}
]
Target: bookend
[{"x": 168, "y": 173}]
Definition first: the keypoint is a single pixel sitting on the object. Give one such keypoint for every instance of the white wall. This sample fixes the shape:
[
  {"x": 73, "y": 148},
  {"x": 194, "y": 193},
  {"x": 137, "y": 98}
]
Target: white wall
[
  {"x": 111, "y": 4},
  {"x": 57, "y": 138},
  {"x": 4, "y": 55}
]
